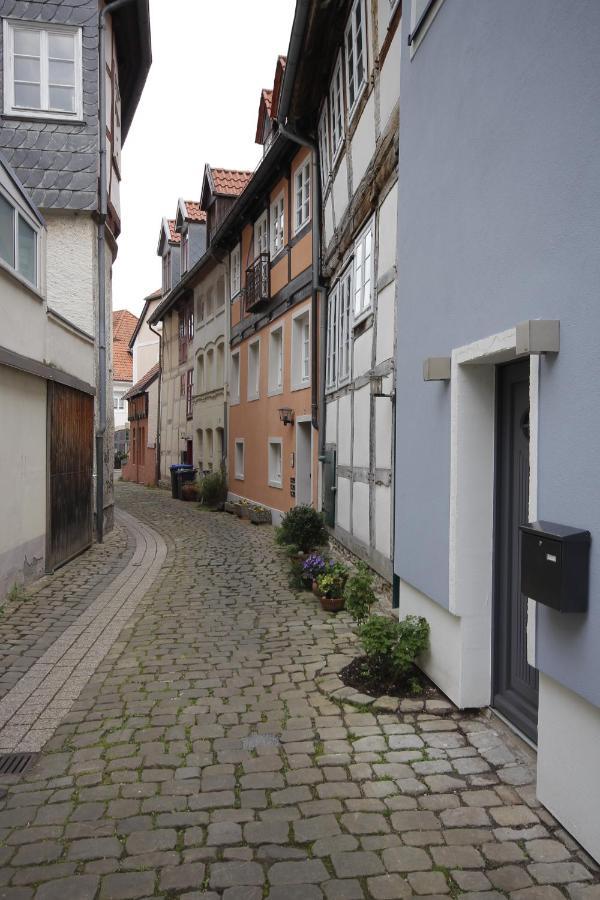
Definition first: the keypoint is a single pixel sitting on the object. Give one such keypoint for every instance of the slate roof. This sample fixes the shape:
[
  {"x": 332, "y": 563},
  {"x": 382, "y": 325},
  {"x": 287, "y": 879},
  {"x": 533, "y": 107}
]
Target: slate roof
[
  {"x": 124, "y": 324},
  {"x": 144, "y": 382},
  {"x": 230, "y": 182}
]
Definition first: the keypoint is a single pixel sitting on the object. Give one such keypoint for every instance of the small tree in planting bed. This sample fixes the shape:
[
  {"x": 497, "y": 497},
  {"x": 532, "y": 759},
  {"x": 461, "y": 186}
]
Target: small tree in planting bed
[
  {"x": 359, "y": 594},
  {"x": 392, "y": 647},
  {"x": 303, "y": 528}
]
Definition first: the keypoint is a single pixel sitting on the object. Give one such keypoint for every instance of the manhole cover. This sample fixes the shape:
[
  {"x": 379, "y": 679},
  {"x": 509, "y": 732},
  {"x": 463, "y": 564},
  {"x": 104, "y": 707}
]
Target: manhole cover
[
  {"x": 15, "y": 763},
  {"x": 254, "y": 741}
]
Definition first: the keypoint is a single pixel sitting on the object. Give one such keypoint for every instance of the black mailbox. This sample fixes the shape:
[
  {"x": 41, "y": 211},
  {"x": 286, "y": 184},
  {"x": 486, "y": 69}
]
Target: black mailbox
[{"x": 555, "y": 562}]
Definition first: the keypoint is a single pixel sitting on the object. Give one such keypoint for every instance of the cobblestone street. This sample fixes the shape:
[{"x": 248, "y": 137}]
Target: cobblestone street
[{"x": 200, "y": 759}]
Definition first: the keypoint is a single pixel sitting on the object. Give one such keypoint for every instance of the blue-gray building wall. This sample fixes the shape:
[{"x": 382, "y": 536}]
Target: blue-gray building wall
[
  {"x": 57, "y": 162},
  {"x": 499, "y": 221},
  {"x": 197, "y": 233}
]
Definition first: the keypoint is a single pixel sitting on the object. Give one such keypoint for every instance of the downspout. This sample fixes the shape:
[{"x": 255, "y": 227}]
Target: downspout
[
  {"x": 317, "y": 338},
  {"x": 160, "y": 371},
  {"x": 102, "y": 216}
]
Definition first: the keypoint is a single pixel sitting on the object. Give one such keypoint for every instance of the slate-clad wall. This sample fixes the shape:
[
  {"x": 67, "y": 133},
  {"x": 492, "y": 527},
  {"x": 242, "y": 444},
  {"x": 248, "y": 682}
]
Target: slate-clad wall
[
  {"x": 197, "y": 232},
  {"x": 499, "y": 217},
  {"x": 57, "y": 163}
]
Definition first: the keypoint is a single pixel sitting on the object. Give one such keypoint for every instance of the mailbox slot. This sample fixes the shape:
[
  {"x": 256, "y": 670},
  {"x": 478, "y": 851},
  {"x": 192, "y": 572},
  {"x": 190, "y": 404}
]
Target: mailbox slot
[{"x": 555, "y": 565}]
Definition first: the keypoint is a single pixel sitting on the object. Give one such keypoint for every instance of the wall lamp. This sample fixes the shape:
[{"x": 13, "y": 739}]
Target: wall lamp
[{"x": 286, "y": 415}]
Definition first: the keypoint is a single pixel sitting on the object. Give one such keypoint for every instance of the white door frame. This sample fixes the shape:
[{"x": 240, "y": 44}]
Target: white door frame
[{"x": 302, "y": 420}]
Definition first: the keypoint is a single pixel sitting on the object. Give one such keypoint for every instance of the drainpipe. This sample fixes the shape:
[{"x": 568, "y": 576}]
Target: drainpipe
[
  {"x": 160, "y": 370},
  {"x": 317, "y": 381},
  {"x": 102, "y": 215}
]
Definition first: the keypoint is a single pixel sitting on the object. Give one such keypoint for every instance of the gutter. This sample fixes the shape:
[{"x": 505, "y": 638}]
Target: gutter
[{"x": 102, "y": 215}]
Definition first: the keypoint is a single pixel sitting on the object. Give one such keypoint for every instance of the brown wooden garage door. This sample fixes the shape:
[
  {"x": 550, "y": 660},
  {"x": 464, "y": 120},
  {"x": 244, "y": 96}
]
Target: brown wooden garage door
[{"x": 70, "y": 466}]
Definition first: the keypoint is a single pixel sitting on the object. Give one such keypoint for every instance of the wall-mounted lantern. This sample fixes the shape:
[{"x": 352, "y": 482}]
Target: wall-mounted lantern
[{"x": 286, "y": 415}]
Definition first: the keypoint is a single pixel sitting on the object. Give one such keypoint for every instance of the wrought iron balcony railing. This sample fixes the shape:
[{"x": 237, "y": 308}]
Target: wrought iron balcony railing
[{"x": 257, "y": 283}]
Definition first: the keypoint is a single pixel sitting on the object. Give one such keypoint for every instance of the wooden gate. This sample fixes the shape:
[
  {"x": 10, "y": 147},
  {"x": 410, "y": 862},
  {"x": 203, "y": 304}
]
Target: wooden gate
[{"x": 70, "y": 473}]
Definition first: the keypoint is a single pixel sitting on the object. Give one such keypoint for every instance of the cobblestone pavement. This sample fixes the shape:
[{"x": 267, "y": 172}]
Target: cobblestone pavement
[{"x": 201, "y": 761}]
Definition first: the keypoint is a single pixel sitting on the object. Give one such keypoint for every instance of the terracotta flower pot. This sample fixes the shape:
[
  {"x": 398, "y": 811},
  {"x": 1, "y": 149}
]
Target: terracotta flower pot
[{"x": 332, "y": 604}]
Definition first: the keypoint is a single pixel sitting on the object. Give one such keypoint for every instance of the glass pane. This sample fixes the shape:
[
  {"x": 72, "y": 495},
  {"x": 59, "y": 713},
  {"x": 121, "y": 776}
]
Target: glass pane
[
  {"x": 7, "y": 232},
  {"x": 27, "y": 251},
  {"x": 62, "y": 98},
  {"x": 62, "y": 73},
  {"x": 27, "y": 95},
  {"x": 61, "y": 46},
  {"x": 27, "y": 69},
  {"x": 27, "y": 42}
]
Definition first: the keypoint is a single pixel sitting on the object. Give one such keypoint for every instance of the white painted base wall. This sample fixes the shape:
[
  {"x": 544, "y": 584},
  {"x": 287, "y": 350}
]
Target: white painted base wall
[
  {"x": 276, "y": 514},
  {"x": 568, "y": 775}
]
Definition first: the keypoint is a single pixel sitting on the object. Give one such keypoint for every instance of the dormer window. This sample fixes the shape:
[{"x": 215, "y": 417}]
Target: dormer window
[{"x": 42, "y": 70}]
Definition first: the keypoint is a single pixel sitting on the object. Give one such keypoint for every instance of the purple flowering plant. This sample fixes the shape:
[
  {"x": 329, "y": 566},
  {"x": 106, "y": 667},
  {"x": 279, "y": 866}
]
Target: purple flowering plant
[{"x": 315, "y": 565}]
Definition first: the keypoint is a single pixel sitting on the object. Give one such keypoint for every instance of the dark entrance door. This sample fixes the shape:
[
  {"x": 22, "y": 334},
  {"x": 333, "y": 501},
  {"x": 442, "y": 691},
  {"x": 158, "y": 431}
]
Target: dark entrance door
[
  {"x": 515, "y": 681},
  {"x": 70, "y": 467}
]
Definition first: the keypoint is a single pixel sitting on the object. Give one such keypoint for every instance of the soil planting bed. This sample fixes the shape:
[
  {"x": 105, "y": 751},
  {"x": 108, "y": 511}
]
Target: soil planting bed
[{"x": 357, "y": 675}]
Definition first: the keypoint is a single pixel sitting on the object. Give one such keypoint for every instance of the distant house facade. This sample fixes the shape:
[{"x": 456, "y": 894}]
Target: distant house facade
[
  {"x": 124, "y": 325},
  {"x": 142, "y": 415},
  {"x": 144, "y": 343},
  {"x": 341, "y": 90},
  {"x": 498, "y": 273},
  {"x": 49, "y": 135}
]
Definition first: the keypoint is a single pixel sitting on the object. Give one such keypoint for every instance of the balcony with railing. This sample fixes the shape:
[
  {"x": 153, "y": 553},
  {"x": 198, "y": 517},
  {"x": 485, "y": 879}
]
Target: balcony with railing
[{"x": 257, "y": 291}]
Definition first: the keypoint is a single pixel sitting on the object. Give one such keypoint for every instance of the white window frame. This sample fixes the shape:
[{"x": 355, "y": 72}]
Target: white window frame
[
  {"x": 19, "y": 211},
  {"x": 339, "y": 331},
  {"x": 253, "y": 385},
  {"x": 276, "y": 368},
  {"x": 324, "y": 148},
  {"x": 336, "y": 111},
  {"x": 299, "y": 381},
  {"x": 45, "y": 28},
  {"x": 303, "y": 170},
  {"x": 273, "y": 480},
  {"x": 277, "y": 239},
  {"x": 235, "y": 266},
  {"x": 261, "y": 235},
  {"x": 352, "y": 76},
  {"x": 239, "y": 472},
  {"x": 362, "y": 307},
  {"x": 424, "y": 20},
  {"x": 331, "y": 368},
  {"x": 234, "y": 384}
]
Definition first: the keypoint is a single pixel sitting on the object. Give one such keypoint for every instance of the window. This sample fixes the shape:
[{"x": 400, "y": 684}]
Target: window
[
  {"x": 302, "y": 195},
  {"x": 200, "y": 442},
  {"x": 276, "y": 360},
  {"x": 336, "y": 109},
  {"x": 332, "y": 338},
  {"x": 261, "y": 236},
  {"x": 118, "y": 400},
  {"x": 210, "y": 370},
  {"x": 42, "y": 71},
  {"x": 356, "y": 48},
  {"x": 235, "y": 378},
  {"x": 200, "y": 374},
  {"x": 239, "y": 459},
  {"x": 189, "y": 393},
  {"x": 182, "y": 385},
  {"x": 363, "y": 271},
  {"x": 277, "y": 226},
  {"x": 210, "y": 304},
  {"x": 323, "y": 136},
  {"x": 301, "y": 350},
  {"x": 201, "y": 304},
  {"x": 220, "y": 293},
  {"x": 275, "y": 462},
  {"x": 423, "y": 13},
  {"x": 219, "y": 435},
  {"x": 254, "y": 370},
  {"x": 338, "y": 331},
  {"x": 208, "y": 456},
  {"x": 189, "y": 315},
  {"x": 235, "y": 270},
  {"x": 182, "y": 326},
  {"x": 18, "y": 242},
  {"x": 220, "y": 370}
]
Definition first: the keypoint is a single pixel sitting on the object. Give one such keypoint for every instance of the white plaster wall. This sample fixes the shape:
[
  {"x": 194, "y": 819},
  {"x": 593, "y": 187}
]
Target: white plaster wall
[
  {"x": 360, "y": 511},
  {"x": 152, "y": 414},
  {"x": 568, "y": 775},
  {"x": 389, "y": 79},
  {"x": 69, "y": 351},
  {"x": 71, "y": 268},
  {"x": 385, "y": 323},
  {"x": 387, "y": 231},
  {"x": 362, "y": 353},
  {"x": 22, "y": 477},
  {"x": 23, "y": 319},
  {"x": 363, "y": 142},
  {"x": 383, "y": 520},
  {"x": 344, "y": 431},
  {"x": 331, "y": 422},
  {"x": 340, "y": 190},
  {"x": 383, "y": 433},
  {"x": 362, "y": 402},
  {"x": 343, "y": 503}
]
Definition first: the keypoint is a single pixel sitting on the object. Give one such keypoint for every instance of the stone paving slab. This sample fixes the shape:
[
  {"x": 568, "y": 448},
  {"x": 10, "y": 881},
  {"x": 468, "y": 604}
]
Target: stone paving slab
[{"x": 201, "y": 760}]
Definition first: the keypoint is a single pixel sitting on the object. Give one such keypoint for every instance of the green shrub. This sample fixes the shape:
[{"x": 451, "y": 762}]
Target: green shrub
[
  {"x": 332, "y": 582},
  {"x": 213, "y": 489},
  {"x": 359, "y": 594},
  {"x": 303, "y": 527},
  {"x": 391, "y": 646}
]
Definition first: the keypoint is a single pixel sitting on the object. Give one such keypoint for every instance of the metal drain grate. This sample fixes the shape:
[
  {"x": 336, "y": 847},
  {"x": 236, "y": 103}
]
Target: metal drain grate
[{"x": 15, "y": 763}]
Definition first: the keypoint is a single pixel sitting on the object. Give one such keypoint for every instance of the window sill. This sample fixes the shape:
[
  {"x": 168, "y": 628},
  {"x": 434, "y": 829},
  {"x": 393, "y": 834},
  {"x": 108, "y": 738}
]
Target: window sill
[
  {"x": 352, "y": 112},
  {"x": 362, "y": 318},
  {"x": 298, "y": 232},
  {"x": 238, "y": 477},
  {"x": 276, "y": 484},
  {"x": 251, "y": 399},
  {"x": 274, "y": 258},
  {"x": 22, "y": 116},
  {"x": 274, "y": 392},
  {"x": 301, "y": 387}
]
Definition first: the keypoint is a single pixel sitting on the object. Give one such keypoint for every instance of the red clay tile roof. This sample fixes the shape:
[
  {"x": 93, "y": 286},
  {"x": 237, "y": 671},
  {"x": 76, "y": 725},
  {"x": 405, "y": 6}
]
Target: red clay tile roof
[
  {"x": 194, "y": 212},
  {"x": 174, "y": 237},
  {"x": 230, "y": 181},
  {"x": 144, "y": 382},
  {"x": 124, "y": 324}
]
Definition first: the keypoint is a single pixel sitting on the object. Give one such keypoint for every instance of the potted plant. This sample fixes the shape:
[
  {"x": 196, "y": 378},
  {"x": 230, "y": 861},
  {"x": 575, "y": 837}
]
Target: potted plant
[
  {"x": 244, "y": 509},
  {"x": 330, "y": 585},
  {"x": 213, "y": 490},
  {"x": 260, "y": 515},
  {"x": 304, "y": 528},
  {"x": 313, "y": 565},
  {"x": 189, "y": 490}
]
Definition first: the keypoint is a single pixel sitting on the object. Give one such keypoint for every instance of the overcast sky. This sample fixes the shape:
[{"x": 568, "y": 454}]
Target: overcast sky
[{"x": 210, "y": 63}]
